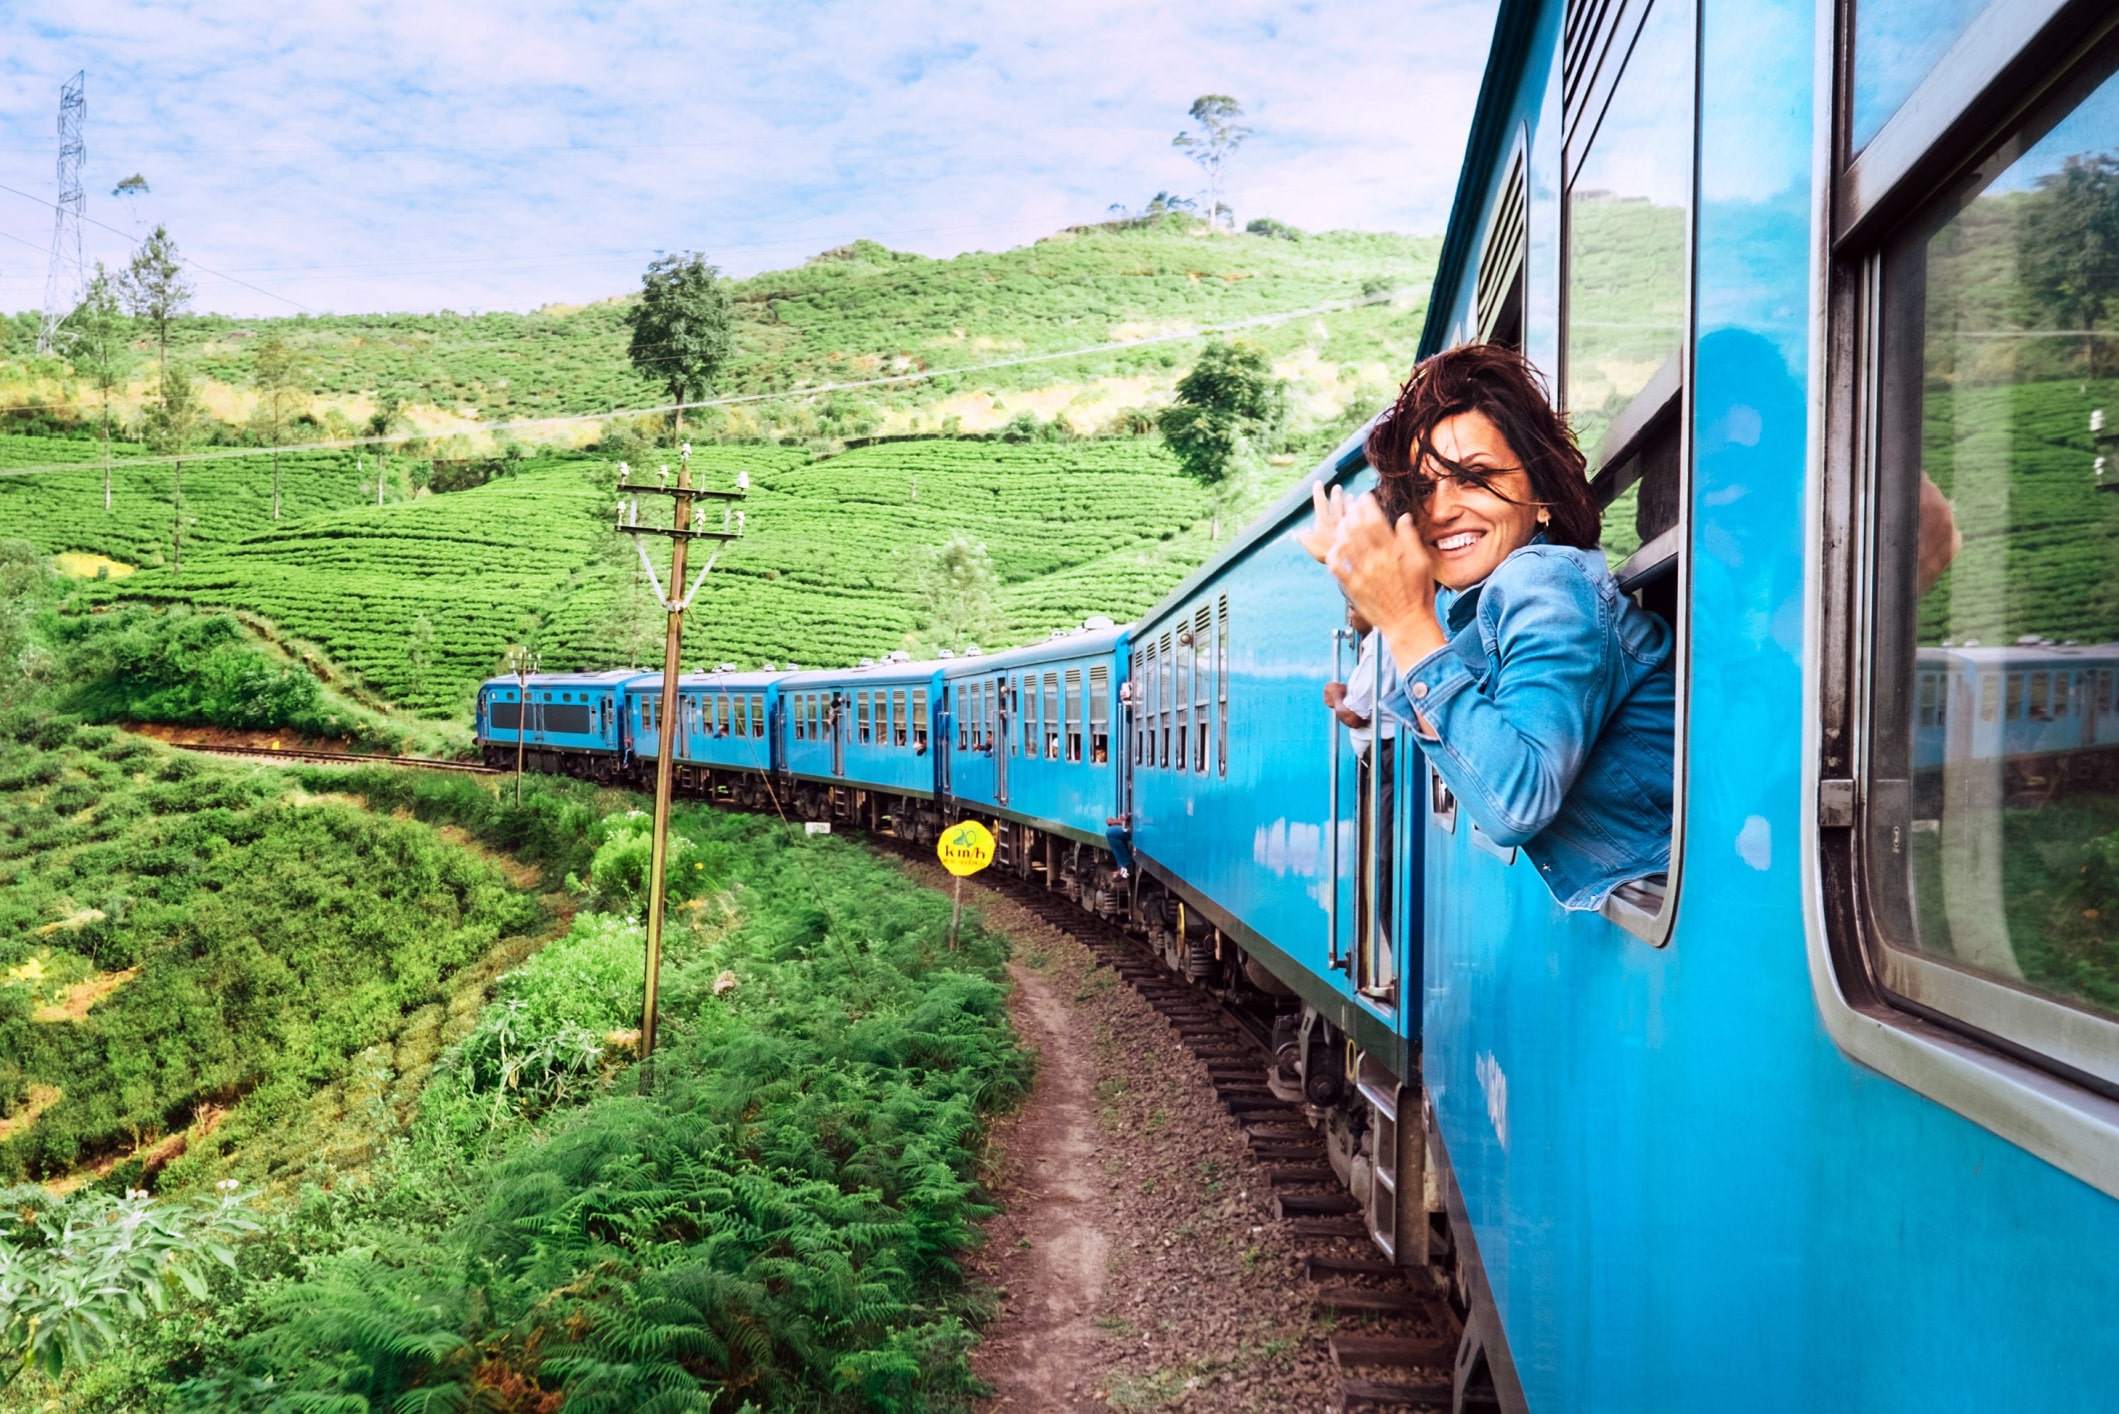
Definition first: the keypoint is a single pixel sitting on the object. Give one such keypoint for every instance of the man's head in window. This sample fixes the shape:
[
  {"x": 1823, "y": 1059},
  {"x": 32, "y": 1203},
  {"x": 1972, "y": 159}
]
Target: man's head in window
[{"x": 1475, "y": 452}]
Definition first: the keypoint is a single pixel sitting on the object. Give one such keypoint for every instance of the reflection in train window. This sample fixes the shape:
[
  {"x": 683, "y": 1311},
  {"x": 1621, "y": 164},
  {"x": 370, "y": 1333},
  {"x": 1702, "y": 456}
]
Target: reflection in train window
[
  {"x": 1896, "y": 43},
  {"x": 1993, "y": 844}
]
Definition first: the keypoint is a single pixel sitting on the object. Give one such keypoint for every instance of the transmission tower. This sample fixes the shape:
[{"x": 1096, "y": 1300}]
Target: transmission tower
[{"x": 69, "y": 272}]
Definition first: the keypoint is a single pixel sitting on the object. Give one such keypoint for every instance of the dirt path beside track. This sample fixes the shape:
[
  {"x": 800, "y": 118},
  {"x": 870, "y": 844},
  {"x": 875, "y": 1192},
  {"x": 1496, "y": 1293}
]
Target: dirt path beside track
[{"x": 1138, "y": 1260}]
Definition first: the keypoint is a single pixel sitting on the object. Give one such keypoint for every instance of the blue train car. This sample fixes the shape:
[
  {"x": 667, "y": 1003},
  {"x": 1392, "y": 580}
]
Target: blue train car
[
  {"x": 575, "y": 723},
  {"x": 2049, "y": 709},
  {"x": 725, "y": 739},
  {"x": 863, "y": 741},
  {"x": 1827, "y": 1120},
  {"x": 1037, "y": 745}
]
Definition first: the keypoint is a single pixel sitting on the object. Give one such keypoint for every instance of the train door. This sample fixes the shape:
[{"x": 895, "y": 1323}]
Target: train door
[
  {"x": 1001, "y": 741},
  {"x": 838, "y": 735}
]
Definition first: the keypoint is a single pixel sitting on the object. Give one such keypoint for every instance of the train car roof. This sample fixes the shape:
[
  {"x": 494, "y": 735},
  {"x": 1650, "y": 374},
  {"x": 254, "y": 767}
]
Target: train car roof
[
  {"x": 604, "y": 678},
  {"x": 1082, "y": 643},
  {"x": 747, "y": 681},
  {"x": 920, "y": 671},
  {"x": 2021, "y": 655}
]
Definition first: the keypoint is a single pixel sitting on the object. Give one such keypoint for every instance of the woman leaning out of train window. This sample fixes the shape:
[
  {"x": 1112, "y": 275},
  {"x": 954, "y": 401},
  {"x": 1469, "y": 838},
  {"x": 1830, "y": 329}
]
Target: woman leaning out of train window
[{"x": 1542, "y": 694}]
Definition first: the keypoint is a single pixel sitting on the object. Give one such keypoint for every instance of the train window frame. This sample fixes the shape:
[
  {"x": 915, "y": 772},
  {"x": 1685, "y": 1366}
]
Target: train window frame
[
  {"x": 1099, "y": 715},
  {"x": 2008, "y": 1060},
  {"x": 919, "y": 720},
  {"x": 1656, "y": 421},
  {"x": 1072, "y": 715},
  {"x": 900, "y": 720},
  {"x": 1052, "y": 723}
]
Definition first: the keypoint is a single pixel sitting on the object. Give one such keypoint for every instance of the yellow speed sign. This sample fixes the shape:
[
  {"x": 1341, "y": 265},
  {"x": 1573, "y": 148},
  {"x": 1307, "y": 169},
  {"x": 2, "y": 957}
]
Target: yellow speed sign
[{"x": 966, "y": 848}]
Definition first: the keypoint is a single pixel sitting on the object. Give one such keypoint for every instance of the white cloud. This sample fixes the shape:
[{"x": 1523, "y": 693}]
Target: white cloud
[{"x": 397, "y": 155}]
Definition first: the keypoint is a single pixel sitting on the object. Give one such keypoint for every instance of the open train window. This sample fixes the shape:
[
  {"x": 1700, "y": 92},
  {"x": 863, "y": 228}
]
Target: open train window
[
  {"x": 1626, "y": 322},
  {"x": 1052, "y": 717},
  {"x": 1075, "y": 715},
  {"x": 1099, "y": 715},
  {"x": 1498, "y": 297},
  {"x": 861, "y": 725},
  {"x": 900, "y": 722},
  {"x": 919, "y": 719},
  {"x": 1993, "y": 890}
]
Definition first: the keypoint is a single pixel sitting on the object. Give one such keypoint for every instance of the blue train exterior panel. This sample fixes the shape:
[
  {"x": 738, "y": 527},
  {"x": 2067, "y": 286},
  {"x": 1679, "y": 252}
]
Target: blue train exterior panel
[
  {"x": 727, "y": 720},
  {"x": 1034, "y": 732},
  {"x": 868, "y": 727},
  {"x": 578, "y": 712},
  {"x": 1678, "y": 1186}
]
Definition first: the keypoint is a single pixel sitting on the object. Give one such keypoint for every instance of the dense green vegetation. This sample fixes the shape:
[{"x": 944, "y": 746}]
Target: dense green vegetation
[
  {"x": 249, "y": 940},
  {"x": 829, "y": 569}
]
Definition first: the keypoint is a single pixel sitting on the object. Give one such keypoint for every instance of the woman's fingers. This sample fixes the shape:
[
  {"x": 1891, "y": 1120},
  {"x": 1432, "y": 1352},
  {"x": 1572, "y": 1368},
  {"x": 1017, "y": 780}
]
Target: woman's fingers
[{"x": 1324, "y": 523}]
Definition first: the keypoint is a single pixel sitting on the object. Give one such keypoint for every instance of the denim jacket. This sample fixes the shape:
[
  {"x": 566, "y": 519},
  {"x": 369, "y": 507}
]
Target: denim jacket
[{"x": 1549, "y": 714}]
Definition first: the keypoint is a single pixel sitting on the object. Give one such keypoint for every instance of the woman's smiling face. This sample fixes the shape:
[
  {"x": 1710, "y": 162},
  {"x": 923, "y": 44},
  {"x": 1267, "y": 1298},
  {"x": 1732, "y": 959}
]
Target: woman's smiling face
[{"x": 1470, "y": 529}]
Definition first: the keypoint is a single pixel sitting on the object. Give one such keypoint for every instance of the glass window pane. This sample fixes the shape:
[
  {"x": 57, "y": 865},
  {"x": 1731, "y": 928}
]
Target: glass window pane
[
  {"x": 1626, "y": 266},
  {"x": 1896, "y": 43},
  {"x": 1995, "y": 838}
]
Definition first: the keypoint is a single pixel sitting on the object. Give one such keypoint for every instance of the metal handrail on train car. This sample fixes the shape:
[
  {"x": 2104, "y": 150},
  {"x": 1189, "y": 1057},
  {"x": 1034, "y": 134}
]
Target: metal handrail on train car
[{"x": 1331, "y": 893}]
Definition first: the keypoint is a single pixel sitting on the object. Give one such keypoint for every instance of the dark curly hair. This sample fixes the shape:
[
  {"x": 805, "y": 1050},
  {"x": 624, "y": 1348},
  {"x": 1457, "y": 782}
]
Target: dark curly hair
[{"x": 1492, "y": 379}]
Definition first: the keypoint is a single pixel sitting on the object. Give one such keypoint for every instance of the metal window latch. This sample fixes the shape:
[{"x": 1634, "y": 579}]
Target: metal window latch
[{"x": 1835, "y": 804}]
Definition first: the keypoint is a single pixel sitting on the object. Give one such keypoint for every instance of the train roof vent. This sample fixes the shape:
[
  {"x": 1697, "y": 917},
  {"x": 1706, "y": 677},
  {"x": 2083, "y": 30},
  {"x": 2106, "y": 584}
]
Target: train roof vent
[
  {"x": 1097, "y": 623},
  {"x": 971, "y": 650},
  {"x": 901, "y": 656},
  {"x": 1056, "y": 633},
  {"x": 868, "y": 662},
  {"x": 2029, "y": 640},
  {"x": 944, "y": 653}
]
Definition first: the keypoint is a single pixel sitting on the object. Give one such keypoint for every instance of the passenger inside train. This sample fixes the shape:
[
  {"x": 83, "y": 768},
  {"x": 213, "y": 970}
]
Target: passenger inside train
[
  {"x": 1354, "y": 703},
  {"x": 1540, "y": 692}
]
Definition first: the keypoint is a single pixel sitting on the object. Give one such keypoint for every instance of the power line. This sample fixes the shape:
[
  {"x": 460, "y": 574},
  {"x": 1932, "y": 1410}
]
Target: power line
[
  {"x": 131, "y": 240},
  {"x": 740, "y": 399}
]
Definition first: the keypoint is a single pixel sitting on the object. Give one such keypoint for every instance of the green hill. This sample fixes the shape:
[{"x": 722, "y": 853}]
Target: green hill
[
  {"x": 830, "y": 569},
  {"x": 419, "y": 596}
]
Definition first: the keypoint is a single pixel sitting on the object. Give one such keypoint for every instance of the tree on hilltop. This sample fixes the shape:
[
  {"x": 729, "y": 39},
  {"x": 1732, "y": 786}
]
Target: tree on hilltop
[
  {"x": 1230, "y": 396},
  {"x": 277, "y": 371},
  {"x": 682, "y": 329},
  {"x": 154, "y": 289},
  {"x": 1215, "y": 136},
  {"x": 102, "y": 348}
]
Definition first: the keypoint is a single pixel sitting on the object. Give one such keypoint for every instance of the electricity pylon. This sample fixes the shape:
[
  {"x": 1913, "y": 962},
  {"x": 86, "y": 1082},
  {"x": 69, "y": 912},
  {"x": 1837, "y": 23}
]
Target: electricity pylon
[{"x": 69, "y": 272}]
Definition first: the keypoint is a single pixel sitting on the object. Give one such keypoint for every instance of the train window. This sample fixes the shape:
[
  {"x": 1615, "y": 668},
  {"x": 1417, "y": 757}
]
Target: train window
[
  {"x": 2104, "y": 692},
  {"x": 1927, "y": 699},
  {"x": 1099, "y": 715},
  {"x": 1626, "y": 318},
  {"x": 966, "y": 731},
  {"x": 757, "y": 716},
  {"x": 1165, "y": 689},
  {"x": 919, "y": 718},
  {"x": 1202, "y": 685},
  {"x": 722, "y": 714},
  {"x": 1052, "y": 717},
  {"x": 1144, "y": 707},
  {"x": 1183, "y": 700},
  {"x": 1987, "y": 525},
  {"x": 1221, "y": 685},
  {"x": 742, "y": 706},
  {"x": 900, "y": 722},
  {"x": 1026, "y": 704},
  {"x": 1623, "y": 357},
  {"x": 1075, "y": 715},
  {"x": 860, "y": 708},
  {"x": 1896, "y": 44}
]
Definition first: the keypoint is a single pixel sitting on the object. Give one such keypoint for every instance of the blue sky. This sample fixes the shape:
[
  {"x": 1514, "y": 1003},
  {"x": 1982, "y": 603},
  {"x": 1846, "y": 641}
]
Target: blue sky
[{"x": 387, "y": 155}]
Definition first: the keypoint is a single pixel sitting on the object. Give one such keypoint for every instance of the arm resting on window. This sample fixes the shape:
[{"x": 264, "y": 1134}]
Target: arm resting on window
[{"x": 1511, "y": 747}]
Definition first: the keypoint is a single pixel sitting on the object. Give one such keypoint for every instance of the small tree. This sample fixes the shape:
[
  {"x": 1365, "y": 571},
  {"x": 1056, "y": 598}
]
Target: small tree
[
  {"x": 959, "y": 593},
  {"x": 1214, "y": 138},
  {"x": 419, "y": 656},
  {"x": 1229, "y": 396},
  {"x": 2070, "y": 244},
  {"x": 682, "y": 332},
  {"x": 277, "y": 372},
  {"x": 102, "y": 349},
  {"x": 154, "y": 288},
  {"x": 170, "y": 425}
]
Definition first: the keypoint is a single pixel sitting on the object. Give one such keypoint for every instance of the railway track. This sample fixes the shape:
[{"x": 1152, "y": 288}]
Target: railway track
[
  {"x": 332, "y": 758},
  {"x": 1398, "y": 1349}
]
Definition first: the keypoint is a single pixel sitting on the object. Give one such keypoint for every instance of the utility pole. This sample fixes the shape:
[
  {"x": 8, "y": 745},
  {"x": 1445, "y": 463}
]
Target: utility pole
[
  {"x": 687, "y": 523},
  {"x": 523, "y": 663}
]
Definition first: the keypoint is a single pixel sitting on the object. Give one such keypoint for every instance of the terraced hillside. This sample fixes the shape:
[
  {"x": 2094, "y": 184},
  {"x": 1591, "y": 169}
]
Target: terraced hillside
[
  {"x": 856, "y": 313},
  {"x": 422, "y": 599}
]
